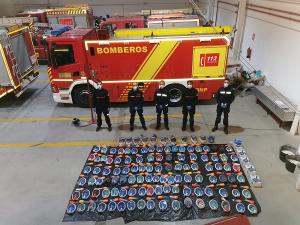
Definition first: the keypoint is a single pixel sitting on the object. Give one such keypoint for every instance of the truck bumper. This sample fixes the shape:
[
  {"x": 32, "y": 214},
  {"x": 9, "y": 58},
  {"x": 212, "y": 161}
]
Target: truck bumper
[
  {"x": 62, "y": 97},
  {"x": 27, "y": 82}
]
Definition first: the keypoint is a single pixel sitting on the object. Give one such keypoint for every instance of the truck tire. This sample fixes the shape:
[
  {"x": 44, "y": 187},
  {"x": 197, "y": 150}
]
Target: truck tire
[
  {"x": 291, "y": 162},
  {"x": 175, "y": 92},
  {"x": 80, "y": 96},
  {"x": 286, "y": 150}
]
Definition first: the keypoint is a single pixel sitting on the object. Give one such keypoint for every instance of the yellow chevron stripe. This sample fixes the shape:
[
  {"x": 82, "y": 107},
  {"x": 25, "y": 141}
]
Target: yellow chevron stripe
[
  {"x": 50, "y": 75},
  {"x": 129, "y": 86},
  {"x": 165, "y": 60},
  {"x": 157, "y": 58},
  {"x": 151, "y": 66},
  {"x": 145, "y": 61}
]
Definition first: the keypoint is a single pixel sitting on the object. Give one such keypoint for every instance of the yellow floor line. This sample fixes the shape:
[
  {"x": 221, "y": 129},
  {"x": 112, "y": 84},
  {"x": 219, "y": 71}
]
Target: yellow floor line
[
  {"x": 55, "y": 144},
  {"x": 83, "y": 118}
]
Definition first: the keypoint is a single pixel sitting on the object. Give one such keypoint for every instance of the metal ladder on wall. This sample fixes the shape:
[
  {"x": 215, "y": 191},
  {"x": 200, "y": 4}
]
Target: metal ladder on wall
[{"x": 9, "y": 51}]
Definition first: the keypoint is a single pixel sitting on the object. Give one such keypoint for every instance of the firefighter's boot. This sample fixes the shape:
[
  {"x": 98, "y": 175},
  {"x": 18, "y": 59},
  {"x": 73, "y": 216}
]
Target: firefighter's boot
[
  {"x": 226, "y": 130},
  {"x": 214, "y": 128}
]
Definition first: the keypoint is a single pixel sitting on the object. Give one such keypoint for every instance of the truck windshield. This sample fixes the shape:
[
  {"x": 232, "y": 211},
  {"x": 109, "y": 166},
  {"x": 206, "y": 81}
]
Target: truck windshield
[{"x": 63, "y": 55}]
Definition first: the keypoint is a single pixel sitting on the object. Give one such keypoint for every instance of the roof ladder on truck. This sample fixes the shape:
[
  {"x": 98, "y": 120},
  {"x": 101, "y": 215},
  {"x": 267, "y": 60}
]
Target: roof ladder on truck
[
  {"x": 151, "y": 32},
  {"x": 9, "y": 51}
]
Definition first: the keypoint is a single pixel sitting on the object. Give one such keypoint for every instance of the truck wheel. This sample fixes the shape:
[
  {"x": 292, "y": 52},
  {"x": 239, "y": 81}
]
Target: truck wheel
[
  {"x": 80, "y": 96},
  {"x": 290, "y": 163},
  {"x": 175, "y": 92},
  {"x": 286, "y": 150}
]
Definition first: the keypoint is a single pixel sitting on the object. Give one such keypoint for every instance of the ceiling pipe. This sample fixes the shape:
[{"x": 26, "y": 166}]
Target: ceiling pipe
[
  {"x": 250, "y": 7},
  {"x": 273, "y": 9},
  {"x": 276, "y": 15}
]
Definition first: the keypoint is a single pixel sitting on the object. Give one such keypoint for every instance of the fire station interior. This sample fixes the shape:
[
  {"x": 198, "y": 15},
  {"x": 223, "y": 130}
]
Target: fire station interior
[{"x": 242, "y": 57}]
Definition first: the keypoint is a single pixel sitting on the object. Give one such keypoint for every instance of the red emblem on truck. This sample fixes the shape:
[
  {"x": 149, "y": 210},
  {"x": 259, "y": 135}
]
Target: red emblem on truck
[{"x": 210, "y": 59}]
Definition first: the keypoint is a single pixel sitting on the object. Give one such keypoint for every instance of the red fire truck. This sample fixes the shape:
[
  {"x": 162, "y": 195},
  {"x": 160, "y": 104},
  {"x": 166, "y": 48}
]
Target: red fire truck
[
  {"x": 36, "y": 28},
  {"x": 77, "y": 58},
  {"x": 43, "y": 19},
  {"x": 150, "y": 21},
  {"x": 18, "y": 61},
  {"x": 80, "y": 15},
  {"x": 122, "y": 22},
  {"x": 39, "y": 15}
]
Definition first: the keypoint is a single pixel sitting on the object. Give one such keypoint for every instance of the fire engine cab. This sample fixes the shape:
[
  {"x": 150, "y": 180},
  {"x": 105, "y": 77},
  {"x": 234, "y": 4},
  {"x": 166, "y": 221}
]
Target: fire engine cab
[
  {"x": 45, "y": 19},
  {"x": 77, "y": 58}
]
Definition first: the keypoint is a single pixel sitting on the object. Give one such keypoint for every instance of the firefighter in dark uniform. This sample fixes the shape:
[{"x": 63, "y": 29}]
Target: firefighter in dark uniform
[
  {"x": 224, "y": 97},
  {"x": 102, "y": 105},
  {"x": 161, "y": 99},
  {"x": 97, "y": 24},
  {"x": 190, "y": 98},
  {"x": 136, "y": 100}
]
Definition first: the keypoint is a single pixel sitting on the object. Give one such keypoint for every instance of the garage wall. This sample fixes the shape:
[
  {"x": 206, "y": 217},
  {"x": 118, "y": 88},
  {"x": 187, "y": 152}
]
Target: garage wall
[
  {"x": 274, "y": 37},
  {"x": 225, "y": 14},
  {"x": 103, "y": 7},
  {"x": 7, "y": 8}
]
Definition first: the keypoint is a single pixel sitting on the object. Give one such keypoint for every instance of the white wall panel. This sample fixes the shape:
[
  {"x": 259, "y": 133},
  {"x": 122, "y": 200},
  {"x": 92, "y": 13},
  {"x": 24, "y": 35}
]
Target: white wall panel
[
  {"x": 275, "y": 51},
  {"x": 276, "y": 46},
  {"x": 226, "y": 15}
]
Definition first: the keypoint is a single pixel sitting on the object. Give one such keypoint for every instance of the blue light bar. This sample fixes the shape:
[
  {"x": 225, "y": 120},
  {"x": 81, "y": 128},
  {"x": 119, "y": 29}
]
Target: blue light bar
[{"x": 59, "y": 30}]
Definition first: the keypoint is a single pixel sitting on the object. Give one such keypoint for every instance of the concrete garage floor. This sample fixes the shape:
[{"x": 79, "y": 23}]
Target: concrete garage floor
[{"x": 41, "y": 155}]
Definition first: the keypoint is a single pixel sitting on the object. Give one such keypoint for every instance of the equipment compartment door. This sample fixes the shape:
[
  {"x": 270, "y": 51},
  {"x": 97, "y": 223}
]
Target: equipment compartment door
[
  {"x": 209, "y": 61},
  {"x": 20, "y": 51},
  {"x": 4, "y": 75}
]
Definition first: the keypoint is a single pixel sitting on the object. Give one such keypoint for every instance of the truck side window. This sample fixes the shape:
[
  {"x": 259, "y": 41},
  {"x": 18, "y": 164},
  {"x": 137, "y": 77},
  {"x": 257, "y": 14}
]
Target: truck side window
[
  {"x": 34, "y": 41},
  {"x": 92, "y": 51},
  {"x": 127, "y": 25},
  {"x": 64, "y": 55},
  {"x": 130, "y": 25},
  {"x": 111, "y": 27}
]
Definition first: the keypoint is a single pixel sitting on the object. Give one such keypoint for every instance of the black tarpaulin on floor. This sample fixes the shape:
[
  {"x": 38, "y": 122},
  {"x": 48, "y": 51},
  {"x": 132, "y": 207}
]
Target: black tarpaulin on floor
[{"x": 104, "y": 158}]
